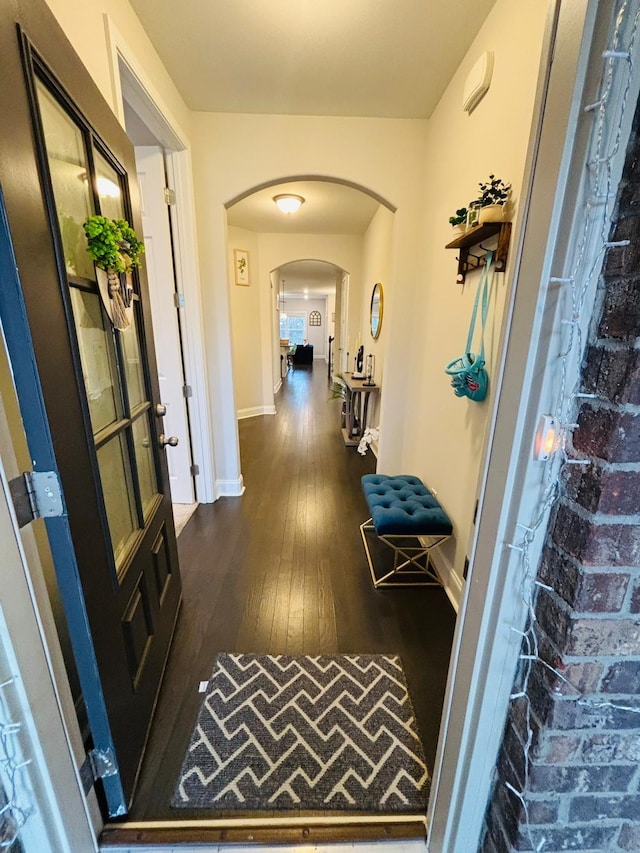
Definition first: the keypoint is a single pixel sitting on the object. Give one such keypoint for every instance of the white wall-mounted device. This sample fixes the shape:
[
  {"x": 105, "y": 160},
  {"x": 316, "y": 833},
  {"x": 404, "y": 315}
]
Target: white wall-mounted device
[{"x": 478, "y": 82}]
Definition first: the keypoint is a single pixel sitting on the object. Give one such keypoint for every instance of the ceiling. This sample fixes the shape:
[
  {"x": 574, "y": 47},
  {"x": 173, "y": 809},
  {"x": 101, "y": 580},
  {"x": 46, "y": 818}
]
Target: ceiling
[{"x": 384, "y": 58}]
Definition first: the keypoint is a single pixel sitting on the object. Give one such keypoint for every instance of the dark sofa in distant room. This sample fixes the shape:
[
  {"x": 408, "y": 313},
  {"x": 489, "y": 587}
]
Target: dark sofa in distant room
[{"x": 303, "y": 354}]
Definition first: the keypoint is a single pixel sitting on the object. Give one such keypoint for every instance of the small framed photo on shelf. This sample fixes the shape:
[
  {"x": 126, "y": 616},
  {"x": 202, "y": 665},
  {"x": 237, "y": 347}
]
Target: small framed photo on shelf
[{"x": 241, "y": 266}]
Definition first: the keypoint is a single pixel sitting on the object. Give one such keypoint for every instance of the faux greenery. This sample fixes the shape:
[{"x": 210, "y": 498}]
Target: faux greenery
[
  {"x": 337, "y": 388},
  {"x": 459, "y": 218},
  {"x": 113, "y": 244},
  {"x": 493, "y": 191}
]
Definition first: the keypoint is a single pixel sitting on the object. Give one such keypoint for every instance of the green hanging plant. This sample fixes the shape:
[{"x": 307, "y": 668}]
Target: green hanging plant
[
  {"x": 112, "y": 244},
  {"x": 115, "y": 249}
]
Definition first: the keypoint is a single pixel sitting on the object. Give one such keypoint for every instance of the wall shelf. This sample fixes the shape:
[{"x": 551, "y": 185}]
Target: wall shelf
[{"x": 468, "y": 261}]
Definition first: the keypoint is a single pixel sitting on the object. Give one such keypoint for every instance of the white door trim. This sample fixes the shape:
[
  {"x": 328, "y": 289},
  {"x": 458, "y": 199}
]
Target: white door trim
[
  {"x": 180, "y": 174},
  {"x": 342, "y": 360}
]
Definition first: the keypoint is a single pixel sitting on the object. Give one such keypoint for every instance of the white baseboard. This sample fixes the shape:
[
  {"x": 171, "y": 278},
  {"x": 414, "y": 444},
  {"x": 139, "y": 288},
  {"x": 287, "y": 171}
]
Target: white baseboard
[
  {"x": 229, "y": 488},
  {"x": 277, "y": 388},
  {"x": 451, "y": 581},
  {"x": 255, "y": 411}
]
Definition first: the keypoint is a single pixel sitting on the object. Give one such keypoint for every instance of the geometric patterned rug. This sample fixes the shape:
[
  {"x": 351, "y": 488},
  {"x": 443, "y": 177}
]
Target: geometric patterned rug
[{"x": 305, "y": 732}]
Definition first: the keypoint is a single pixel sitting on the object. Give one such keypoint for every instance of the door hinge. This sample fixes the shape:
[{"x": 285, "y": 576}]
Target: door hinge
[
  {"x": 36, "y": 494},
  {"x": 195, "y": 470},
  {"x": 169, "y": 196},
  {"x": 98, "y": 764},
  {"x": 187, "y": 391},
  {"x": 178, "y": 299}
]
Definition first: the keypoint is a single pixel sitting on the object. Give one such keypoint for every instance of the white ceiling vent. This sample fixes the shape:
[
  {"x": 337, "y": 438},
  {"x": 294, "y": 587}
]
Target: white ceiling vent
[{"x": 478, "y": 82}]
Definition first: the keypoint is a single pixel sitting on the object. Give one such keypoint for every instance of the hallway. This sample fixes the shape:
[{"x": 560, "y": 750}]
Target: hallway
[{"x": 283, "y": 570}]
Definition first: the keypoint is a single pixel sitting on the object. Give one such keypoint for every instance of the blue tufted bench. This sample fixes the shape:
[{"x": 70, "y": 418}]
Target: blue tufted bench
[{"x": 407, "y": 518}]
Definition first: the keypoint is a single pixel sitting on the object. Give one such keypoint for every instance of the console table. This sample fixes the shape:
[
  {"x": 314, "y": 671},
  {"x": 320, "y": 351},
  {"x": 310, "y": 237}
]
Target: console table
[{"x": 357, "y": 404}]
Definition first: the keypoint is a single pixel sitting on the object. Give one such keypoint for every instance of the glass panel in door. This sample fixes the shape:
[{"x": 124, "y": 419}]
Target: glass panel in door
[
  {"x": 69, "y": 176},
  {"x": 112, "y": 375},
  {"x": 99, "y": 369},
  {"x": 133, "y": 364},
  {"x": 144, "y": 457},
  {"x": 108, "y": 188},
  {"x": 115, "y": 475}
]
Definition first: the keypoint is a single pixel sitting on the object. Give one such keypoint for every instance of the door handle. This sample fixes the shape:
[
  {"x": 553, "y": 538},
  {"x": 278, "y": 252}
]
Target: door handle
[
  {"x": 172, "y": 440},
  {"x": 161, "y": 410}
]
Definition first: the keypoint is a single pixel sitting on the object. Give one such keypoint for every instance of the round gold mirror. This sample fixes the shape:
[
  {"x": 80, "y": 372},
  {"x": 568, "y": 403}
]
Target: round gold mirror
[{"x": 376, "y": 310}]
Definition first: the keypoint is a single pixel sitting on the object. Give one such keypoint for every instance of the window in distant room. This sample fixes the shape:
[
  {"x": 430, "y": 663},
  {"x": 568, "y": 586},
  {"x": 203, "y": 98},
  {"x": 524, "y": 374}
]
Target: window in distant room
[{"x": 294, "y": 327}]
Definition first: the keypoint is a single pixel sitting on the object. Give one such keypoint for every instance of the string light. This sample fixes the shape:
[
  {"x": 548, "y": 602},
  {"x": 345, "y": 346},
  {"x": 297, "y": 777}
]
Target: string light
[
  {"x": 608, "y": 114},
  {"x": 14, "y": 812}
]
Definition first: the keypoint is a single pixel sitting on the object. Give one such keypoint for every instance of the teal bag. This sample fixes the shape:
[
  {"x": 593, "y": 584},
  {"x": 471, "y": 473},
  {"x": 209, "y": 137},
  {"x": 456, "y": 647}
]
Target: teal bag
[{"x": 470, "y": 379}]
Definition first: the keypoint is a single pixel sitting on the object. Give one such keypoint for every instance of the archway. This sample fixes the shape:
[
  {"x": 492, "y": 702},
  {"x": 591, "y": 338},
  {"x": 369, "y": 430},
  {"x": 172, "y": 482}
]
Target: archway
[
  {"x": 309, "y": 303},
  {"x": 283, "y": 182},
  {"x": 338, "y": 225}
]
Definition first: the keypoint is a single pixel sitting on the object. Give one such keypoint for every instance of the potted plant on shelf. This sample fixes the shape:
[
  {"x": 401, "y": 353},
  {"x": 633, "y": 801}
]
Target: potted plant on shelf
[
  {"x": 493, "y": 196},
  {"x": 459, "y": 222},
  {"x": 115, "y": 250}
]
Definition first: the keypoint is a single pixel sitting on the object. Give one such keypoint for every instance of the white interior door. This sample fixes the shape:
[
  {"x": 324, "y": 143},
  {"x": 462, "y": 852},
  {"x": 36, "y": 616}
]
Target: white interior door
[{"x": 160, "y": 270}]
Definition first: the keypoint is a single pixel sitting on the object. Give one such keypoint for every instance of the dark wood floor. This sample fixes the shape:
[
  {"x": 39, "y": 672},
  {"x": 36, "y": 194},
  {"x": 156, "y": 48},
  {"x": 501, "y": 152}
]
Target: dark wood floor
[{"x": 283, "y": 570}]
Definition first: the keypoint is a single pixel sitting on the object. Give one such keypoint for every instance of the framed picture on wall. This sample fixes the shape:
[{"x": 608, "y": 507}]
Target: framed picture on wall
[{"x": 241, "y": 266}]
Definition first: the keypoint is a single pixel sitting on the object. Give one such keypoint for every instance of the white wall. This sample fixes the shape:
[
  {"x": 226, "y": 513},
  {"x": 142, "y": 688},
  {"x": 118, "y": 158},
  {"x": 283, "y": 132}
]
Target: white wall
[
  {"x": 444, "y": 436},
  {"x": 84, "y": 26},
  {"x": 376, "y": 265},
  {"x": 246, "y": 325}
]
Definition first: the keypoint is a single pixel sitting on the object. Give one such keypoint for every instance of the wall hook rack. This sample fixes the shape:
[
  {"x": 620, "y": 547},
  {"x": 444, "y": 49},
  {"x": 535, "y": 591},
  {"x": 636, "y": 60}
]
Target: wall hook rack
[{"x": 467, "y": 261}]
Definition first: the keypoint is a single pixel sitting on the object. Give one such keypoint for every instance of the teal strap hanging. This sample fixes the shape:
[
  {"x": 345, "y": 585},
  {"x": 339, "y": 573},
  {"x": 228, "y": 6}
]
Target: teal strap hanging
[
  {"x": 483, "y": 288},
  {"x": 470, "y": 379}
]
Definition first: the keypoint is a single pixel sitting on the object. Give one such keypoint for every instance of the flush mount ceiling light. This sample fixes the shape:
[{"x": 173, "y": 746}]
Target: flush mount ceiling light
[{"x": 288, "y": 203}]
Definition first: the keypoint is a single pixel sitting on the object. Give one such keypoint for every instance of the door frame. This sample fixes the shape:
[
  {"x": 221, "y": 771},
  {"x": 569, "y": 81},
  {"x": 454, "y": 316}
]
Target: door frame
[
  {"x": 343, "y": 365},
  {"x": 141, "y": 91}
]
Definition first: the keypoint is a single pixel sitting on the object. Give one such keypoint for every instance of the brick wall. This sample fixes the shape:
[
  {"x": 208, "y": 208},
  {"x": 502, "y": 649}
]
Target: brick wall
[{"x": 583, "y": 786}]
